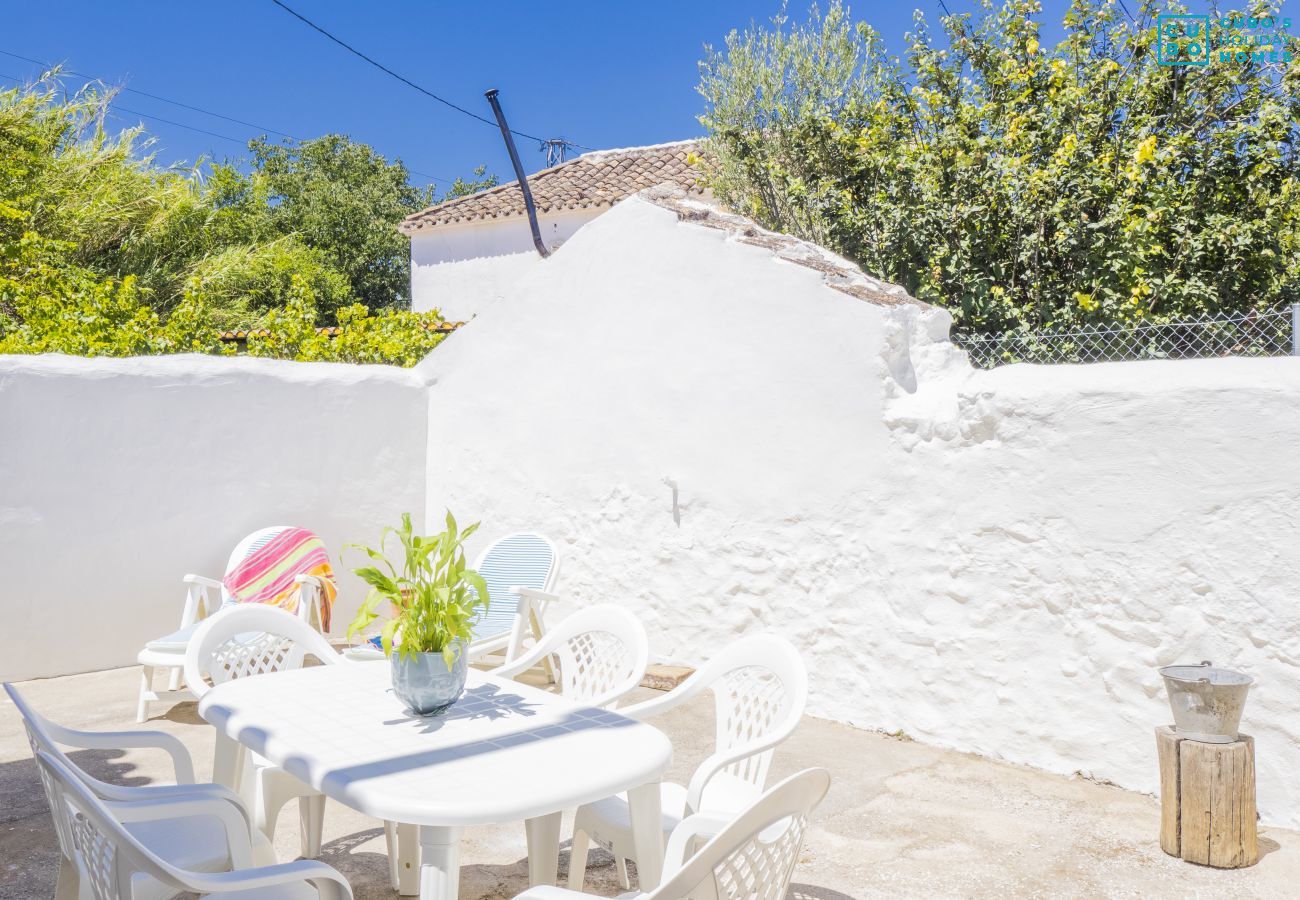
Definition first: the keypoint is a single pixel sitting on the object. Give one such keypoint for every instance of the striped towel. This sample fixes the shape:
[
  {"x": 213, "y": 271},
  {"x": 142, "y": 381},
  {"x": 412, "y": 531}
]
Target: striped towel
[{"x": 267, "y": 574}]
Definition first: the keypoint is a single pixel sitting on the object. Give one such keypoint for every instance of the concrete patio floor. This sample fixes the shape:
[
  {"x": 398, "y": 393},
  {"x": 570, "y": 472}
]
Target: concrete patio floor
[{"x": 902, "y": 819}]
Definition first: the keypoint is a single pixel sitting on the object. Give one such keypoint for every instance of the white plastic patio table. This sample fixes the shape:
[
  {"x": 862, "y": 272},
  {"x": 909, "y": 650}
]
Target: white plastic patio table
[{"x": 503, "y": 753}]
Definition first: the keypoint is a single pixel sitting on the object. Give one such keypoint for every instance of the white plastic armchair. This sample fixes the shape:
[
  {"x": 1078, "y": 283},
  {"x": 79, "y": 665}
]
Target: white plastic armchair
[
  {"x": 760, "y": 688},
  {"x": 752, "y": 857},
  {"x": 601, "y": 653},
  {"x": 252, "y": 639},
  {"x": 203, "y": 597},
  {"x": 204, "y": 827},
  {"x": 112, "y": 860}
]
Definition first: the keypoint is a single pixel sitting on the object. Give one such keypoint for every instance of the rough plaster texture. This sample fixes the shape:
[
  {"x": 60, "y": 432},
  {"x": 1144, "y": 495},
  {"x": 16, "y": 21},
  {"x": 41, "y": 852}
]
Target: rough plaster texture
[
  {"x": 989, "y": 561},
  {"x": 902, "y": 819},
  {"x": 118, "y": 476},
  {"x": 723, "y": 440}
]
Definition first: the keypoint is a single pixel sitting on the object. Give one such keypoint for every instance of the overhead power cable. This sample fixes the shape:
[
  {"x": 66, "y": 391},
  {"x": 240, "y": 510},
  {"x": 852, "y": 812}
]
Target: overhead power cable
[
  {"x": 403, "y": 79},
  {"x": 207, "y": 112},
  {"x": 183, "y": 105}
]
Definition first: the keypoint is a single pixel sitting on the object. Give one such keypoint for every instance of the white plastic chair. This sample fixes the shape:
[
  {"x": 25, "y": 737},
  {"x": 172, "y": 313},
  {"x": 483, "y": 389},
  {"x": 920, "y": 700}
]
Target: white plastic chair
[
  {"x": 112, "y": 859},
  {"x": 752, "y": 857},
  {"x": 203, "y": 827},
  {"x": 760, "y": 688},
  {"x": 601, "y": 653},
  {"x": 521, "y": 571},
  {"x": 254, "y": 639},
  {"x": 168, "y": 653}
]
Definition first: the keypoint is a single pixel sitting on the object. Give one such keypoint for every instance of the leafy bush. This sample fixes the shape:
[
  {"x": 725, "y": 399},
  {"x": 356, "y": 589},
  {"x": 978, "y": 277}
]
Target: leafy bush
[
  {"x": 1018, "y": 185},
  {"x": 392, "y": 337},
  {"x": 102, "y": 253}
]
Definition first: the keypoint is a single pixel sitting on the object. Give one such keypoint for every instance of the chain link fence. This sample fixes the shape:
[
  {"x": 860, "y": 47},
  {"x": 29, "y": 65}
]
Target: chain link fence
[{"x": 1269, "y": 333}]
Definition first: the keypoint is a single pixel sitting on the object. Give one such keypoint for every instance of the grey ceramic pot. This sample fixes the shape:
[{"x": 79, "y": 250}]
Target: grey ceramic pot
[{"x": 425, "y": 684}]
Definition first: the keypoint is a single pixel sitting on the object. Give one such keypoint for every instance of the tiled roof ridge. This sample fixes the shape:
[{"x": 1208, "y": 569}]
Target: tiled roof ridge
[
  {"x": 594, "y": 180},
  {"x": 837, "y": 272}
]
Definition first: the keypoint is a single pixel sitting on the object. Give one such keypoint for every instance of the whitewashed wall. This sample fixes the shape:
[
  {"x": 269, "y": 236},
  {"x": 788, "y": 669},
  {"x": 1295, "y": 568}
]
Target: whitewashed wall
[
  {"x": 991, "y": 561},
  {"x": 119, "y": 476},
  {"x": 461, "y": 269}
]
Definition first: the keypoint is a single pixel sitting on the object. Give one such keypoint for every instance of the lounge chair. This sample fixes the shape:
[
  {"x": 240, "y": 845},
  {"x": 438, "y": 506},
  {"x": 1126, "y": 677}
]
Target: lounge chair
[{"x": 203, "y": 597}]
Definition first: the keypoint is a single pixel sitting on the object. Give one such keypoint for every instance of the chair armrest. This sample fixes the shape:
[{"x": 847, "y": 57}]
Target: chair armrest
[
  {"x": 329, "y": 884},
  {"x": 536, "y": 596},
  {"x": 149, "y": 792},
  {"x": 233, "y": 819},
  {"x": 126, "y": 740},
  {"x": 686, "y": 839},
  {"x": 521, "y": 663},
  {"x": 311, "y": 590},
  {"x": 647, "y": 709},
  {"x": 719, "y": 761},
  {"x": 198, "y": 603}
]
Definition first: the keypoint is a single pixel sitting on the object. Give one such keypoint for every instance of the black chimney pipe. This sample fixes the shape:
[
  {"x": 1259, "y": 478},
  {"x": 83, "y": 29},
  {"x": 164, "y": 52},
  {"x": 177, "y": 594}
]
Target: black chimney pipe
[{"x": 519, "y": 173}]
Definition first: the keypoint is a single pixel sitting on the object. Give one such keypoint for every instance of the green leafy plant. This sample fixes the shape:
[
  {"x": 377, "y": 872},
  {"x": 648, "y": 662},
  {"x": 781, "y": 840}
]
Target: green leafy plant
[
  {"x": 433, "y": 592},
  {"x": 1022, "y": 183}
]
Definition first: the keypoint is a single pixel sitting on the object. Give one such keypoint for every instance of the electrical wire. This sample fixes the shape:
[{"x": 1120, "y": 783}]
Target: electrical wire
[
  {"x": 402, "y": 78},
  {"x": 225, "y": 137},
  {"x": 198, "y": 109}
]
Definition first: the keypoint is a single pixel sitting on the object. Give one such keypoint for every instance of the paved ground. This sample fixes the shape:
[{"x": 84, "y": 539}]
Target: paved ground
[{"x": 902, "y": 819}]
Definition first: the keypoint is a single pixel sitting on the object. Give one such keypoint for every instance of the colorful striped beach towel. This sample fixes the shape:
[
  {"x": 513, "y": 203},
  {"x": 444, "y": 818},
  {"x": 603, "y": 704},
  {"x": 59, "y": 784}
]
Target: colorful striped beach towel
[{"x": 267, "y": 574}]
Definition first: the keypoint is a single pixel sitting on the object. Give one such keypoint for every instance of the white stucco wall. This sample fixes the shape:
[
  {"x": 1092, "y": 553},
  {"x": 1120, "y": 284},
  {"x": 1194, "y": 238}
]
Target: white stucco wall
[
  {"x": 460, "y": 269},
  {"x": 991, "y": 561},
  {"x": 117, "y": 477}
]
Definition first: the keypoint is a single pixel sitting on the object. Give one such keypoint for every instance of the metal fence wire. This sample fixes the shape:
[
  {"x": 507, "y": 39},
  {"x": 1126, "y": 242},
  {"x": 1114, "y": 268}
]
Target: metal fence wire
[{"x": 1255, "y": 333}]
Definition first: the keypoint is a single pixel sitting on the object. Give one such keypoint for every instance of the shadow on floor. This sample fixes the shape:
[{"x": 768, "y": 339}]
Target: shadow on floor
[
  {"x": 813, "y": 892},
  {"x": 367, "y": 871}
]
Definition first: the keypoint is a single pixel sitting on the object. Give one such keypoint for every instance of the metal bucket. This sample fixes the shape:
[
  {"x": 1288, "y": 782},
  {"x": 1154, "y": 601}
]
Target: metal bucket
[{"x": 1206, "y": 701}]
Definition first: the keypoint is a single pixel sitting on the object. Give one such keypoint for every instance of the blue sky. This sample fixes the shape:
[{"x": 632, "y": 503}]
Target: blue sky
[{"x": 604, "y": 74}]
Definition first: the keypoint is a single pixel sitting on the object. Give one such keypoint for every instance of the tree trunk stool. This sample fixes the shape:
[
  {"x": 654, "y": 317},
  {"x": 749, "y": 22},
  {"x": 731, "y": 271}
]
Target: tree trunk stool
[{"x": 1207, "y": 800}]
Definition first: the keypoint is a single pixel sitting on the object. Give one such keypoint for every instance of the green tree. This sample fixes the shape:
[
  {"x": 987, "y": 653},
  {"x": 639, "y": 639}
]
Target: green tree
[
  {"x": 1019, "y": 185},
  {"x": 102, "y": 252},
  {"x": 340, "y": 198}
]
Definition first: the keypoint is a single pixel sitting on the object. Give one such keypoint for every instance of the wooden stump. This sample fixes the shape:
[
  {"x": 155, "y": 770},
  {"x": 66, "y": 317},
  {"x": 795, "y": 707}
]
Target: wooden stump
[{"x": 1207, "y": 800}]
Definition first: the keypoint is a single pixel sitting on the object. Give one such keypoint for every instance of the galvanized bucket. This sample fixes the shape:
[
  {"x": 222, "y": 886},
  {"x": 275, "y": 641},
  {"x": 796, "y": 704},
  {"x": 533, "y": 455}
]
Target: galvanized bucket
[{"x": 1206, "y": 701}]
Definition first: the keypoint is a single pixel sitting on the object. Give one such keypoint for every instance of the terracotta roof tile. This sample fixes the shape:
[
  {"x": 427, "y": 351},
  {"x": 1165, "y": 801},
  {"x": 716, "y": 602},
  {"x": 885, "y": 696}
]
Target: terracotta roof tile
[
  {"x": 243, "y": 334},
  {"x": 592, "y": 180}
]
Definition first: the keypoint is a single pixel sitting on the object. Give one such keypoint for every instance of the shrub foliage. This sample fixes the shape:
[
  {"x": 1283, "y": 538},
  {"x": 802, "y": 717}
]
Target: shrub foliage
[
  {"x": 1017, "y": 184},
  {"x": 104, "y": 253}
]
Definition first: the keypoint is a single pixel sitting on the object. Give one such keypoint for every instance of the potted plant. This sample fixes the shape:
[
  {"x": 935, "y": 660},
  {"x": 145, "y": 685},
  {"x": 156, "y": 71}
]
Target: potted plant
[{"x": 434, "y": 597}]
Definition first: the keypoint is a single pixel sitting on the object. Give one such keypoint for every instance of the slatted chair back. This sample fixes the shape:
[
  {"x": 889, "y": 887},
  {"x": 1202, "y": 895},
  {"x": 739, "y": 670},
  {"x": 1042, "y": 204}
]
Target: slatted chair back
[
  {"x": 754, "y": 857},
  {"x": 518, "y": 560},
  {"x": 251, "y": 639}
]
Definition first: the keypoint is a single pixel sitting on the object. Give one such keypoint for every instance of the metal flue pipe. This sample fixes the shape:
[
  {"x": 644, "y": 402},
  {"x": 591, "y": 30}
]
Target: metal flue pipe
[{"x": 519, "y": 173}]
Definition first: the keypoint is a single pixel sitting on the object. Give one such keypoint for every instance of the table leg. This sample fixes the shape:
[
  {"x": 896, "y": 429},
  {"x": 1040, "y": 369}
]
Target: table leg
[
  {"x": 543, "y": 849},
  {"x": 646, "y": 807},
  {"x": 405, "y": 865},
  {"x": 227, "y": 762},
  {"x": 439, "y": 862}
]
